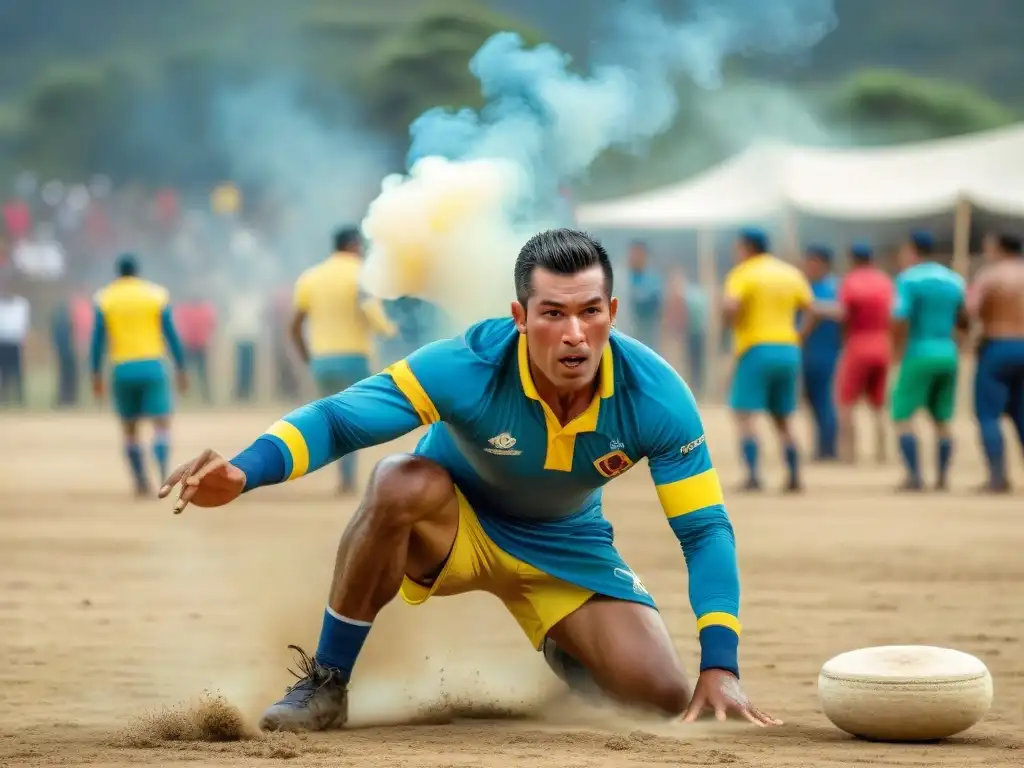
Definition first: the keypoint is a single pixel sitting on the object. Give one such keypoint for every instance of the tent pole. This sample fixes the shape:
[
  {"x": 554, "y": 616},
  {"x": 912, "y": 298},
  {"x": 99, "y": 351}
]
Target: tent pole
[
  {"x": 962, "y": 238},
  {"x": 709, "y": 284},
  {"x": 790, "y": 236}
]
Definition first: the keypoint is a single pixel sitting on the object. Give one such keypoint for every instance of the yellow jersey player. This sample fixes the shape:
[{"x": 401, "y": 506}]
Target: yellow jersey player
[
  {"x": 133, "y": 324},
  {"x": 529, "y": 417},
  {"x": 340, "y": 321},
  {"x": 763, "y": 297}
]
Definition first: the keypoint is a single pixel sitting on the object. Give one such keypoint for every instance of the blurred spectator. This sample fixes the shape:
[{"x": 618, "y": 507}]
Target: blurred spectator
[
  {"x": 285, "y": 380},
  {"x": 41, "y": 257},
  {"x": 695, "y": 330},
  {"x": 62, "y": 334},
  {"x": 245, "y": 318},
  {"x": 196, "y": 321},
  {"x": 645, "y": 296},
  {"x": 14, "y": 324},
  {"x": 17, "y": 218}
]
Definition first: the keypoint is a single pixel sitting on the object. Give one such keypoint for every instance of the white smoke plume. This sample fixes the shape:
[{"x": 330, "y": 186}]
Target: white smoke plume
[{"x": 480, "y": 183}]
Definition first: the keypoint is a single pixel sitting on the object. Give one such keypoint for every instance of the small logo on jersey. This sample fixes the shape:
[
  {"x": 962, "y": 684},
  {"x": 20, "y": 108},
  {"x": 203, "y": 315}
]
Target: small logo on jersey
[
  {"x": 503, "y": 445},
  {"x": 616, "y": 445},
  {"x": 612, "y": 464},
  {"x": 691, "y": 445},
  {"x": 628, "y": 575}
]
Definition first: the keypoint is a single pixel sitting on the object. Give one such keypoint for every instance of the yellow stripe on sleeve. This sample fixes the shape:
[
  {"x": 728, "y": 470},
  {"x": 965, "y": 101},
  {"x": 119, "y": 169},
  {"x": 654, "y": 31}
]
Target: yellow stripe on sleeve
[
  {"x": 690, "y": 494},
  {"x": 719, "y": 619},
  {"x": 410, "y": 386},
  {"x": 293, "y": 440}
]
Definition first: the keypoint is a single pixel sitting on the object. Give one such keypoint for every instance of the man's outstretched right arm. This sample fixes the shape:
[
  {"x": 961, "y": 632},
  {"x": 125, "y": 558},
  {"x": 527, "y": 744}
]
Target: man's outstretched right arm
[{"x": 373, "y": 411}]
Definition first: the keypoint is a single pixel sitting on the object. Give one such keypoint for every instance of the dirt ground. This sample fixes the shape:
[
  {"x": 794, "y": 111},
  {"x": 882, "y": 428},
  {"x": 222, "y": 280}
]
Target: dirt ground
[{"x": 116, "y": 616}]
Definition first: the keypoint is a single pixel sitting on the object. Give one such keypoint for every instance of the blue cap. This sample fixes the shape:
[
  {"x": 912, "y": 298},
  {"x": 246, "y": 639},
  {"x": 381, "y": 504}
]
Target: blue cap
[
  {"x": 862, "y": 251},
  {"x": 757, "y": 238},
  {"x": 922, "y": 240}
]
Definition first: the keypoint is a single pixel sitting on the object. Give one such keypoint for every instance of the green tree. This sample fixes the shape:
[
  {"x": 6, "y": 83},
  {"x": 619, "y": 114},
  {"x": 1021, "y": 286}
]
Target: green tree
[
  {"x": 891, "y": 106},
  {"x": 425, "y": 62}
]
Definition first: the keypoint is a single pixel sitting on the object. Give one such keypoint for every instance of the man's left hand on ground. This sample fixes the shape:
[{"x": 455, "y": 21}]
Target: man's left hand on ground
[{"x": 720, "y": 692}]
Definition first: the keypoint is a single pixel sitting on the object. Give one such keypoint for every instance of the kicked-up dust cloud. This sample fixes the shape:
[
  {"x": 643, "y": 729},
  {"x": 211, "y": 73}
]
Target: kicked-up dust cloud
[{"x": 480, "y": 183}]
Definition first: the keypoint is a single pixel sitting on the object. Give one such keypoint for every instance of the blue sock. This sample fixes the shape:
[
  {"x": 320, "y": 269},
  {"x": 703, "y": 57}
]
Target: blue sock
[
  {"x": 134, "y": 453},
  {"x": 792, "y": 461},
  {"x": 161, "y": 451},
  {"x": 341, "y": 640},
  {"x": 908, "y": 447},
  {"x": 945, "y": 453},
  {"x": 992, "y": 440},
  {"x": 749, "y": 446}
]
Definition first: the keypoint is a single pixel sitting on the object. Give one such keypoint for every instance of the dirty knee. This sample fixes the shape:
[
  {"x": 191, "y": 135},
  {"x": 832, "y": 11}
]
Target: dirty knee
[{"x": 405, "y": 489}]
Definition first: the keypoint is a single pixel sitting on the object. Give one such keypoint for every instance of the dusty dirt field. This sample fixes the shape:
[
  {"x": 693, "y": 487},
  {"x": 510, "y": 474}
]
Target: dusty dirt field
[{"x": 112, "y": 610}]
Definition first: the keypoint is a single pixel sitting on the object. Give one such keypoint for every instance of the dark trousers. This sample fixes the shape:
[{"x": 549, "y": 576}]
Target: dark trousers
[
  {"x": 819, "y": 378},
  {"x": 12, "y": 384},
  {"x": 67, "y": 378},
  {"x": 245, "y": 369},
  {"x": 196, "y": 359}
]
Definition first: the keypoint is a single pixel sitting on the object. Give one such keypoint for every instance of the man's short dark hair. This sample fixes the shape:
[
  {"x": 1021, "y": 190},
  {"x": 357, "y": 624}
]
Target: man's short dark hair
[
  {"x": 564, "y": 252},
  {"x": 756, "y": 240},
  {"x": 1012, "y": 245},
  {"x": 127, "y": 265},
  {"x": 347, "y": 239}
]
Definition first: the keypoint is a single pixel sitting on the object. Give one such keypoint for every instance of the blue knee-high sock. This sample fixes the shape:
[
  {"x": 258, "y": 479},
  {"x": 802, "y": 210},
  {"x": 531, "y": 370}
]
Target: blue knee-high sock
[
  {"x": 944, "y": 451},
  {"x": 341, "y": 640},
  {"x": 908, "y": 448},
  {"x": 749, "y": 447},
  {"x": 992, "y": 441},
  {"x": 792, "y": 462},
  {"x": 829, "y": 434},
  {"x": 134, "y": 453},
  {"x": 161, "y": 451}
]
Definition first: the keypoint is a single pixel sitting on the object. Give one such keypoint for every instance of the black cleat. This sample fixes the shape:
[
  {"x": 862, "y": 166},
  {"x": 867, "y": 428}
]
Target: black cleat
[{"x": 317, "y": 702}]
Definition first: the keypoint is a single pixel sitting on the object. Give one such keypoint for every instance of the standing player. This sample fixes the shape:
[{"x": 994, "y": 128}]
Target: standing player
[
  {"x": 763, "y": 296},
  {"x": 530, "y": 416},
  {"x": 821, "y": 346},
  {"x": 133, "y": 320},
  {"x": 866, "y": 301},
  {"x": 997, "y": 302},
  {"x": 341, "y": 321},
  {"x": 929, "y": 315}
]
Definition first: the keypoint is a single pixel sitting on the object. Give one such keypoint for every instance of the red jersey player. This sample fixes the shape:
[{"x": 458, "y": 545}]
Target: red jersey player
[{"x": 866, "y": 297}]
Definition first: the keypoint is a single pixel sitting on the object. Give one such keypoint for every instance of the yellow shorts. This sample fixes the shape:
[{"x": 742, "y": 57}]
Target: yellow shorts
[{"x": 476, "y": 564}]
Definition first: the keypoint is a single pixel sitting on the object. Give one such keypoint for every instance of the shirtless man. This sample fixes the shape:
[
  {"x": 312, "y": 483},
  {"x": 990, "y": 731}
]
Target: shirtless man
[{"x": 997, "y": 305}]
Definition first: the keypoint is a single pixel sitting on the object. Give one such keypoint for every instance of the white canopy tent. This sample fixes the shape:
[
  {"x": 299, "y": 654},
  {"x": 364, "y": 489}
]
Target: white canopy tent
[
  {"x": 778, "y": 182},
  {"x": 769, "y": 180}
]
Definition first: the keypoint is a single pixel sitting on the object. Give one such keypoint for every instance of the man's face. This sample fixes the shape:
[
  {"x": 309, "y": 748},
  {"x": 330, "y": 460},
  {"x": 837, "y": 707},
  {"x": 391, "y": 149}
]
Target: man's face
[
  {"x": 567, "y": 321},
  {"x": 814, "y": 267}
]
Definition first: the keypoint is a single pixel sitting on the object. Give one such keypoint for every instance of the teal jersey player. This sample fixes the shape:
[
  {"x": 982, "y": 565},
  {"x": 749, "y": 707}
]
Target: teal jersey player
[
  {"x": 529, "y": 417},
  {"x": 928, "y": 312}
]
